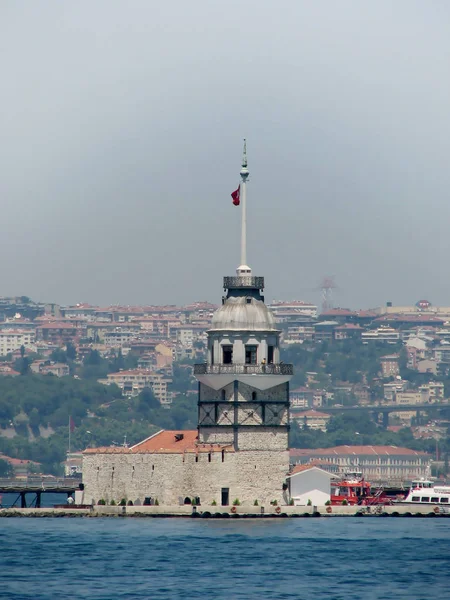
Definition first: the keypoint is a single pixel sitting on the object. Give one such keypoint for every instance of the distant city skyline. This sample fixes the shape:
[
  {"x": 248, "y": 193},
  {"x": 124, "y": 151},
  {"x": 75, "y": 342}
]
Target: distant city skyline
[{"x": 122, "y": 136}]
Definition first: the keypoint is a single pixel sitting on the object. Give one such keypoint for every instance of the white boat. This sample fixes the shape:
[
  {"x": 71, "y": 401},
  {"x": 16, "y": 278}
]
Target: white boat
[{"x": 425, "y": 491}]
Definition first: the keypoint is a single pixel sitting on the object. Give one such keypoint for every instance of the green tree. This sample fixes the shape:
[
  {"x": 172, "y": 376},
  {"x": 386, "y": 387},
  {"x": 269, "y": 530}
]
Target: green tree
[
  {"x": 93, "y": 358},
  {"x": 59, "y": 356},
  {"x": 146, "y": 401},
  {"x": 71, "y": 351},
  {"x": 6, "y": 469},
  {"x": 24, "y": 366}
]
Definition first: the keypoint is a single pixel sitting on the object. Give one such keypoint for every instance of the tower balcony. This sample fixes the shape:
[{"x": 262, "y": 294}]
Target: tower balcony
[
  {"x": 240, "y": 369},
  {"x": 243, "y": 282}
]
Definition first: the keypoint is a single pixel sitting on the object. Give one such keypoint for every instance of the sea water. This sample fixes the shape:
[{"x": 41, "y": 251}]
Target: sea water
[{"x": 135, "y": 558}]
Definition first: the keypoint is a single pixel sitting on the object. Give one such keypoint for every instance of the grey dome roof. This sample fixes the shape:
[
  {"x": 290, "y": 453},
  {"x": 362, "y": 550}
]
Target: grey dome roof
[{"x": 240, "y": 315}]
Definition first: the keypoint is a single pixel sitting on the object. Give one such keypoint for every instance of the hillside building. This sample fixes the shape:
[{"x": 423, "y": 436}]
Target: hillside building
[
  {"x": 378, "y": 463},
  {"x": 312, "y": 419},
  {"x": 14, "y": 339},
  {"x": 133, "y": 381}
]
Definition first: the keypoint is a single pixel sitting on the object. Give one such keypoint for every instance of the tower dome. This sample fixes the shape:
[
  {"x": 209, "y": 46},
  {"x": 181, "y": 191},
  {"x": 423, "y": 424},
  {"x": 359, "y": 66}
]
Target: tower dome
[{"x": 243, "y": 313}]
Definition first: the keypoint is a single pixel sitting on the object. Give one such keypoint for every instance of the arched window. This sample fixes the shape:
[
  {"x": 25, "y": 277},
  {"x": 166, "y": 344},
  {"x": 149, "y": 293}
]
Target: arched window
[
  {"x": 254, "y": 396},
  {"x": 224, "y": 395}
]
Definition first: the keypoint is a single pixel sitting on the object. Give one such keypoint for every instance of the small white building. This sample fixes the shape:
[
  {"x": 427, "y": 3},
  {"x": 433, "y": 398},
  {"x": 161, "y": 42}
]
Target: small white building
[{"x": 309, "y": 484}]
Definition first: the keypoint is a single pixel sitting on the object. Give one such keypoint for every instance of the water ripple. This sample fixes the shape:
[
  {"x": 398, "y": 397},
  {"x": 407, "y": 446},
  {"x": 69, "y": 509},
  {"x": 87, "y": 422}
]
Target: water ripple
[{"x": 135, "y": 559}]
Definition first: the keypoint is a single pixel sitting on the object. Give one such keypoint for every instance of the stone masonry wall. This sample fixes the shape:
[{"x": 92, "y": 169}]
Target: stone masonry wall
[
  {"x": 276, "y": 393},
  {"x": 249, "y": 475},
  {"x": 258, "y": 418}
]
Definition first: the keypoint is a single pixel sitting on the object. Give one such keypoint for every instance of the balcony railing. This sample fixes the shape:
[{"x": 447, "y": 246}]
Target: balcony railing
[
  {"x": 243, "y": 281},
  {"x": 279, "y": 369}
]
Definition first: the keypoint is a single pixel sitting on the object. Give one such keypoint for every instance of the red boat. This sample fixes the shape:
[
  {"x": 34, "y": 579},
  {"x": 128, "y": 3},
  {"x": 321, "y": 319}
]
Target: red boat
[{"x": 353, "y": 489}]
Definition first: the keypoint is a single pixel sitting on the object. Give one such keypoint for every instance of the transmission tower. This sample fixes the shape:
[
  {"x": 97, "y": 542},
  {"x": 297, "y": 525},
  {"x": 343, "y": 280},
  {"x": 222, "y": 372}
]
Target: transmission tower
[{"x": 326, "y": 287}]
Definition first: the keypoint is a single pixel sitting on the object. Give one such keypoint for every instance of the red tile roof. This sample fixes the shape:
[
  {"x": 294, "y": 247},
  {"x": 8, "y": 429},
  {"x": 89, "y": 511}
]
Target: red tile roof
[
  {"x": 362, "y": 450},
  {"x": 15, "y": 462},
  {"x": 165, "y": 442},
  {"x": 366, "y": 313},
  {"x": 275, "y": 304},
  {"x": 301, "y": 468},
  {"x": 310, "y": 413},
  {"x": 308, "y": 466},
  {"x": 335, "y": 312},
  {"x": 414, "y": 318}
]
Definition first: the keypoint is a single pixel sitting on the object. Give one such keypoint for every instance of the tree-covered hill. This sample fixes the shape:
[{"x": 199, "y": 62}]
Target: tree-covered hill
[
  {"x": 355, "y": 429},
  {"x": 36, "y": 412}
]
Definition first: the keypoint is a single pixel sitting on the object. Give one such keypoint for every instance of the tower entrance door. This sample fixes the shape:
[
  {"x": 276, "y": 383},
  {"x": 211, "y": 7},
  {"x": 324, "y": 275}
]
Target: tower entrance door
[{"x": 225, "y": 496}]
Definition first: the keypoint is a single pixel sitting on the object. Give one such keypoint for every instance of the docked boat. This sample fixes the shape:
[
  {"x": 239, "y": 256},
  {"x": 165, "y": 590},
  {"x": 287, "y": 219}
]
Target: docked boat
[
  {"x": 425, "y": 491},
  {"x": 353, "y": 489}
]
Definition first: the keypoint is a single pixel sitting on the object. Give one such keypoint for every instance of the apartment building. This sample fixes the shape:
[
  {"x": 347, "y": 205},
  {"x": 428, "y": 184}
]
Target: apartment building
[
  {"x": 348, "y": 331},
  {"x": 388, "y": 335},
  {"x": 288, "y": 311},
  {"x": 411, "y": 397},
  {"x": 389, "y": 365},
  {"x": 13, "y": 339},
  {"x": 119, "y": 339},
  {"x": 301, "y": 397},
  {"x": 46, "y": 367},
  {"x": 311, "y": 418},
  {"x": 59, "y": 333},
  {"x": 433, "y": 391},
  {"x": 297, "y": 334},
  {"x": 132, "y": 383},
  {"x": 394, "y": 387}
]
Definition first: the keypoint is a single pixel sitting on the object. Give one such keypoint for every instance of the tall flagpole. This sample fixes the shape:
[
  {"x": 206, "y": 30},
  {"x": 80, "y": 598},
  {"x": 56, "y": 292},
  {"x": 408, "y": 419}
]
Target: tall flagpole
[
  {"x": 69, "y": 432},
  {"x": 244, "y": 269}
]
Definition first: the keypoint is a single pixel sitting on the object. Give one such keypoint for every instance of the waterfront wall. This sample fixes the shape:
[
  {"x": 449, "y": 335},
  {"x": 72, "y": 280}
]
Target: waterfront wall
[{"x": 240, "y": 511}]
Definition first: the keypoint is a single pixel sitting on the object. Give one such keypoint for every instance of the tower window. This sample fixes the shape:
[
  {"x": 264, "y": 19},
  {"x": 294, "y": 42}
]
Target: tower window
[
  {"x": 249, "y": 300},
  {"x": 212, "y": 354},
  {"x": 254, "y": 396},
  {"x": 270, "y": 354},
  {"x": 250, "y": 355},
  {"x": 227, "y": 355},
  {"x": 223, "y": 395}
]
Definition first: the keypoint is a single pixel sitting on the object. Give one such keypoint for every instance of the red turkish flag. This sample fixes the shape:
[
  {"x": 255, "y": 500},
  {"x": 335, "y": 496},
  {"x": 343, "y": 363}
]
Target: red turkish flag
[{"x": 236, "y": 196}]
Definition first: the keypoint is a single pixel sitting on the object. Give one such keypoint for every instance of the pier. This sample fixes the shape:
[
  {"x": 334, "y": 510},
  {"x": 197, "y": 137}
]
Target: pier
[{"x": 36, "y": 486}]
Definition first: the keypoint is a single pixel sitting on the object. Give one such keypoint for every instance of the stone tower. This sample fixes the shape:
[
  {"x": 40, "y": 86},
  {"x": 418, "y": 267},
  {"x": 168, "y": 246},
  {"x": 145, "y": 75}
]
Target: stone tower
[
  {"x": 243, "y": 398},
  {"x": 240, "y": 449}
]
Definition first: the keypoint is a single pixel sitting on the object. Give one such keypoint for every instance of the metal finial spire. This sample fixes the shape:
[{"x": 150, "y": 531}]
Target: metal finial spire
[
  {"x": 244, "y": 171},
  {"x": 244, "y": 269},
  {"x": 244, "y": 155}
]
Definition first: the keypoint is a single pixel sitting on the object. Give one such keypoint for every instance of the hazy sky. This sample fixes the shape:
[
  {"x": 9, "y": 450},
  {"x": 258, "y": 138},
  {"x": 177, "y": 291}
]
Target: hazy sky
[{"x": 122, "y": 123}]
